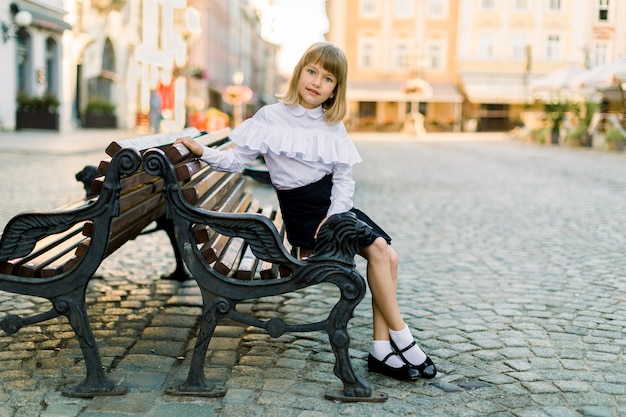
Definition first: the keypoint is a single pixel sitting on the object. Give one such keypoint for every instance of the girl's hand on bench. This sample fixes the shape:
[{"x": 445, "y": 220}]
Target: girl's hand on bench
[{"x": 192, "y": 145}]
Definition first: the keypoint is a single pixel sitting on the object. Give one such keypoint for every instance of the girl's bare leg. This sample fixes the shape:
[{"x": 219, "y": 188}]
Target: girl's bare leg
[{"x": 382, "y": 277}]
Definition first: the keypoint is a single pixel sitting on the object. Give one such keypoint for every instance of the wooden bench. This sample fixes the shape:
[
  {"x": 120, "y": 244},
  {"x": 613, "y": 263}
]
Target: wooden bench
[
  {"x": 232, "y": 245},
  {"x": 53, "y": 255}
]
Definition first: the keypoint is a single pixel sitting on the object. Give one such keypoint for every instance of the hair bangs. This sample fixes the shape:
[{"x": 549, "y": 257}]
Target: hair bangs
[{"x": 328, "y": 58}]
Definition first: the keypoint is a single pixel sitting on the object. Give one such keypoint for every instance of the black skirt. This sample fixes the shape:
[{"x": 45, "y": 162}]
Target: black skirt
[{"x": 303, "y": 209}]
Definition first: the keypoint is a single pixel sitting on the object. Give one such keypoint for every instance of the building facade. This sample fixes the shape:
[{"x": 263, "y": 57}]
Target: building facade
[
  {"x": 464, "y": 63},
  {"x": 413, "y": 64},
  {"x": 402, "y": 62},
  {"x": 33, "y": 51},
  {"x": 149, "y": 64}
]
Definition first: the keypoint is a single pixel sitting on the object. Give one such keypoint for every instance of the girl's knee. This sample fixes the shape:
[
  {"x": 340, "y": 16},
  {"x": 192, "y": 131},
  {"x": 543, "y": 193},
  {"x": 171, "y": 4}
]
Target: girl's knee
[
  {"x": 380, "y": 249},
  {"x": 393, "y": 259}
]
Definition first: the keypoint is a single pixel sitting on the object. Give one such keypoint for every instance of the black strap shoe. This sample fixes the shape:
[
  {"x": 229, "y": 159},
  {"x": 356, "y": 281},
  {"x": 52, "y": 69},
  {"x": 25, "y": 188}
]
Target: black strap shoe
[
  {"x": 426, "y": 369},
  {"x": 405, "y": 373}
]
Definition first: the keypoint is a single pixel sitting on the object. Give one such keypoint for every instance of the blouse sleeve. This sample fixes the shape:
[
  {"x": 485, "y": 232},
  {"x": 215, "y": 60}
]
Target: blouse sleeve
[
  {"x": 233, "y": 160},
  {"x": 342, "y": 190}
]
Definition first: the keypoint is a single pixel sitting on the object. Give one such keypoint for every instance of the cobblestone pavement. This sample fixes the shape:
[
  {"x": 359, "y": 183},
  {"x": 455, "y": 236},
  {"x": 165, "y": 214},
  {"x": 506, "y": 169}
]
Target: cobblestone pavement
[{"x": 512, "y": 278}]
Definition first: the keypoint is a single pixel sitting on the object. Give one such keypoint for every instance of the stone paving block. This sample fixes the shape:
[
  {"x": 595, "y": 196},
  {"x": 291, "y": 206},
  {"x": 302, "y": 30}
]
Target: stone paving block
[
  {"x": 138, "y": 403},
  {"x": 143, "y": 363},
  {"x": 174, "y": 320},
  {"x": 157, "y": 347},
  {"x": 165, "y": 333},
  {"x": 144, "y": 381}
]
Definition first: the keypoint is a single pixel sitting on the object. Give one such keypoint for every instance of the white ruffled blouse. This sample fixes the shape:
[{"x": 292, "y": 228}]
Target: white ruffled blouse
[{"x": 299, "y": 148}]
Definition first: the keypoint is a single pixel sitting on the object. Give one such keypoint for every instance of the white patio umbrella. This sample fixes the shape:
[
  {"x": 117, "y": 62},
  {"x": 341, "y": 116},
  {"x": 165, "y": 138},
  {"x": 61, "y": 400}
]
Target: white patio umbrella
[
  {"x": 603, "y": 77},
  {"x": 557, "y": 84},
  {"x": 557, "y": 80}
]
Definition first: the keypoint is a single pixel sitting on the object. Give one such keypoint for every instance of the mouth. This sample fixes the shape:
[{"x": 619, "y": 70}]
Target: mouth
[{"x": 313, "y": 92}]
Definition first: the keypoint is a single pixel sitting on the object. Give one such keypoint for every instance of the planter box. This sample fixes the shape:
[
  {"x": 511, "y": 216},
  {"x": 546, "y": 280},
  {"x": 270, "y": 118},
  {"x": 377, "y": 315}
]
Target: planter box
[
  {"x": 99, "y": 121},
  {"x": 25, "y": 119}
]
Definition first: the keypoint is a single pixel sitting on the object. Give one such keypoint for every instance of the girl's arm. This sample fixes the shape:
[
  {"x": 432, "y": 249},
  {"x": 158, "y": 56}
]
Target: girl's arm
[
  {"x": 233, "y": 160},
  {"x": 342, "y": 191}
]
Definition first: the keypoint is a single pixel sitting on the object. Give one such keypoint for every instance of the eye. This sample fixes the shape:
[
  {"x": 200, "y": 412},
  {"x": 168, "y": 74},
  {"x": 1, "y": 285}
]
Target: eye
[
  {"x": 329, "y": 79},
  {"x": 311, "y": 71}
]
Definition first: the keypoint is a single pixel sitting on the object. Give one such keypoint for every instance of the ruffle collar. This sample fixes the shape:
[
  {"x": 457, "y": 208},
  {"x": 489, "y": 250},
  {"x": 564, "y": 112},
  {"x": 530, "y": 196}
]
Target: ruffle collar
[
  {"x": 314, "y": 113},
  {"x": 308, "y": 139}
]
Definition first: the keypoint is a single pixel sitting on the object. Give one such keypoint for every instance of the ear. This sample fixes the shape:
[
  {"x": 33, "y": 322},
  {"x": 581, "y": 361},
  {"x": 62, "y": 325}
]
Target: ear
[{"x": 329, "y": 102}]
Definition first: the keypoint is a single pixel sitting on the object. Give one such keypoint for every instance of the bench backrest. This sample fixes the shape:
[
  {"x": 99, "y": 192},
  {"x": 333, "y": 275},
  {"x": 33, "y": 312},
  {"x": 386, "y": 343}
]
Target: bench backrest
[{"x": 141, "y": 202}]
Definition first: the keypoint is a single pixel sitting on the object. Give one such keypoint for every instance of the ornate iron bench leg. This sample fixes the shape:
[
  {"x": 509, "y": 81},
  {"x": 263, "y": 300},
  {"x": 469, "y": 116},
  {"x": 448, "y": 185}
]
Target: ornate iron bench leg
[
  {"x": 355, "y": 388},
  {"x": 96, "y": 382},
  {"x": 180, "y": 273},
  {"x": 196, "y": 385}
]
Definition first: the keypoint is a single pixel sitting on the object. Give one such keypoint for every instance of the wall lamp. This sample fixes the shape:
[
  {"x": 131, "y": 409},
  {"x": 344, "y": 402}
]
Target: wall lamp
[{"x": 21, "y": 19}]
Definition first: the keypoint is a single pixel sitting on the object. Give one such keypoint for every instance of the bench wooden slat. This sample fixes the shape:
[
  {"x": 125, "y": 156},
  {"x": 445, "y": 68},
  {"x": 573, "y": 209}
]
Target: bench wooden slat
[
  {"x": 64, "y": 263},
  {"x": 189, "y": 165},
  {"x": 204, "y": 233},
  {"x": 247, "y": 265},
  {"x": 206, "y": 180},
  {"x": 45, "y": 245},
  {"x": 228, "y": 259},
  {"x": 150, "y": 141},
  {"x": 32, "y": 268},
  {"x": 249, "y": 262},
  {"x": 143, "y": 213},
  {"x": 177, "y": 153},
  {"x": 115, "y": 242},
  {"x": 188, "y": 169},
  {"x": 213, "y": 248},
  {"x": 127, "y": 182}
]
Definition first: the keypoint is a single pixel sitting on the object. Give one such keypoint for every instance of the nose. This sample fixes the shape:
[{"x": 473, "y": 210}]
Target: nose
[{"x": 317, "y": 80}]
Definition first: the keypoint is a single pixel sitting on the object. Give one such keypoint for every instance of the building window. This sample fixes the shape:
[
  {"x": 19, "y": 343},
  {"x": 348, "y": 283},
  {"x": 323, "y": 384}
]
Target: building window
[
  {"x": 437, "y": 9},
  {"x": 521, "y": 5},
  {"x": 553, "y": 50},
  {"x": 554, "y": 5},
  {"x": 519, "y": 47},
  {"x": 603, "y": 10},
  {"x": 367, "y": 54},
  {"x": 435, "y": 58},
  {"x": 601, "y": 53},
  {"x": 487, "y": 4},
  {"x": 367, "y": 110},
  {"x": 368, "y": 8},
  {"x": 401, "y": 55},
  {"x": 486, "y": 46},
  {"x": 51, "y": 67},
  {"x": 24, "y": 63},
  {"x": 404, "y": 9}
]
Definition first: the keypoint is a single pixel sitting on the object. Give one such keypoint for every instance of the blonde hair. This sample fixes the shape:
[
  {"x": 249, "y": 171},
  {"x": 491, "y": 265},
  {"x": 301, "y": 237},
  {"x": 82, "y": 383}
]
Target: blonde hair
[{"x": 333, "y": 60}]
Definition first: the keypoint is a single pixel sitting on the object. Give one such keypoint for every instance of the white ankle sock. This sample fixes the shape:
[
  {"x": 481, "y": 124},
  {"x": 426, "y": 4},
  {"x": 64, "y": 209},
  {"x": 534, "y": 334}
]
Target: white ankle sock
[
  {"x": 382, "y": 348},
  {"x": 403, "y": 338}
]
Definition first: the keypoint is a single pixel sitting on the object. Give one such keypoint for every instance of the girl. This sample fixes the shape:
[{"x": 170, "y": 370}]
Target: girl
[{"x": 309, "y": 158}]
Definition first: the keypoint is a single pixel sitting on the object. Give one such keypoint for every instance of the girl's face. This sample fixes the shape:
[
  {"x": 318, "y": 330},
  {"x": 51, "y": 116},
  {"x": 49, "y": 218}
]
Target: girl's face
[{"x": 315, "y": 85}]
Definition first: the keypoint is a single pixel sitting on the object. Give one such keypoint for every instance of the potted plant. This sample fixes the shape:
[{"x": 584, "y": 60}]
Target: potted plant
[
  {"x": 99, "y": 113},
  {"x": 35, "y": 112},
  {"x": 615, "y": 139},
  {"x": 589, "y": 110},
  {"x": 556, "y": 113},
  {"x": 575, "y": 137}
]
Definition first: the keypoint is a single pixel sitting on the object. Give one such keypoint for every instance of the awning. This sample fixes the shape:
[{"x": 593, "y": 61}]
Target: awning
[
  {"x": 396, "y": 91},
  {"x": 496, "y": 88},
  {"x": 45, "y": 17}
]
